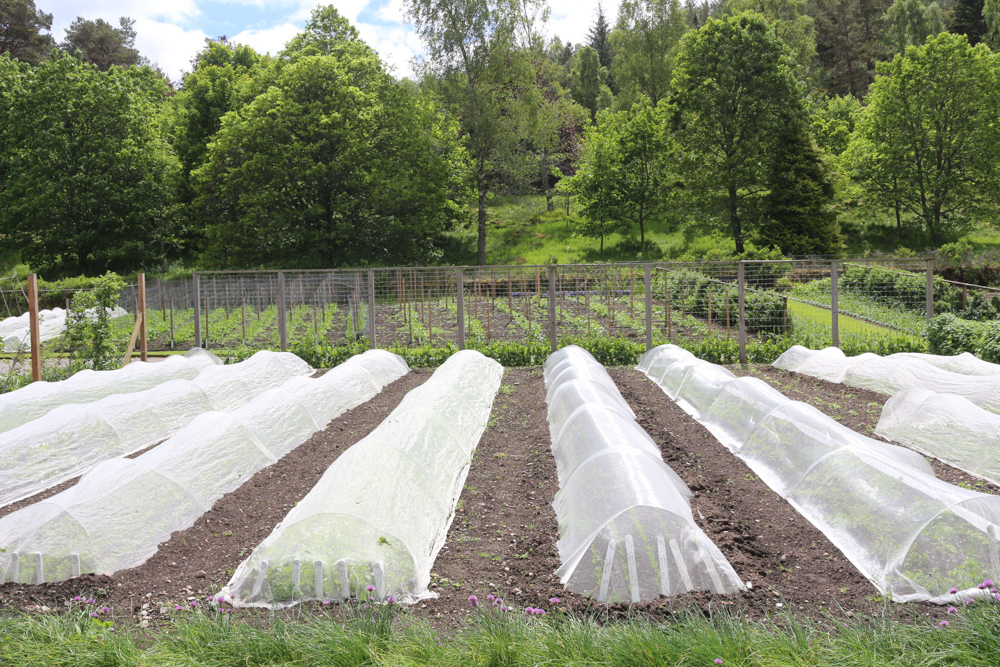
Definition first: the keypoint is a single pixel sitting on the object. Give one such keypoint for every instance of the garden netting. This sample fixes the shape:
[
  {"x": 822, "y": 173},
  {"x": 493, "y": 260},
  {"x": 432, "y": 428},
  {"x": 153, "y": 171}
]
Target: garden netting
[
  {"x": 119, "y": 512},
  {"x": 890, "y": 374},
  {"x": 39, "y": 398},
  {"x": 380, "y": 513},
  {"x": 626, "y": 532},
  {"x": 945, "y": 426},
  {"x": 71, "y": 438},
  {"x": 15, "y": 332},
  {"x": 913, "y": 535}
]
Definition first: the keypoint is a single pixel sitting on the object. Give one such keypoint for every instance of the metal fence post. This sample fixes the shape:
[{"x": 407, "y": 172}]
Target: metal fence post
[
  {"x": 460, "y": 302},
  {"x": 553, "y": 337},
  {"x": 33, "y": 327},
  {"x": 930, "y": 291},
  {"x": 741, "y": 283},
  {"x": 196, "y": 282},
  {"x": 282, "y": 330},
  {"x": 142, "y": 314},
  {"x": 371, "y": 310},
  {"x": 649, "y": 308},
  {"x": 834, "y": 306}
]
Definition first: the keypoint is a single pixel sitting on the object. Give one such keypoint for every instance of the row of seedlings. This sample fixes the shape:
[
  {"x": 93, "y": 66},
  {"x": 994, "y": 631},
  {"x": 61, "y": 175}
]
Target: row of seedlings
[
  {"x": 71, "y": 438},
  {"x": 626, "y": 531},
  {"x": 915, "y": 537},
  {"x": 379, "y": 515},
  {"x": 119, "y": 512},
  {"x": 39, "y": 398}
]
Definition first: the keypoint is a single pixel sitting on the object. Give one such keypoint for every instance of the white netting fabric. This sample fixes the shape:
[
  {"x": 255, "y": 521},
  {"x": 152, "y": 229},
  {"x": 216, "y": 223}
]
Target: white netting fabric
[
  {"x": 625, "y": 524},
  {"x": 122, "y": 509},
  {"x": 15, "y": 332},
  {"x": 380, "y": 513},
  {"x": 945, "y": 426},
  {"x": 71, "y": 438},
  {"x": 913, "y": 535},
  {"x": 890, "y": 374},
  {"x": 39, "y": 398}
]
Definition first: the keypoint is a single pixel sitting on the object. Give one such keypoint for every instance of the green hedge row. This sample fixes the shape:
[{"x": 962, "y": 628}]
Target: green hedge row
[
  {"x": 765, "y": 310},
  {"x": 948, "y": 334}
]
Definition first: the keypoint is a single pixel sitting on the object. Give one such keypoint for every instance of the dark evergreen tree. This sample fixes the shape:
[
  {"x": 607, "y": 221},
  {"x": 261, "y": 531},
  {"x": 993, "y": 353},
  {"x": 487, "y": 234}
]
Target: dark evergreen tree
[
  {"x": 21, "y": 26},
  {"x": 797, "y": 213},
  {"x": 967, "y": 19},
  {"x": 102, "y": 44},
  {"x": 599, "y": 39},
  {"x": 850, "y": 41}
]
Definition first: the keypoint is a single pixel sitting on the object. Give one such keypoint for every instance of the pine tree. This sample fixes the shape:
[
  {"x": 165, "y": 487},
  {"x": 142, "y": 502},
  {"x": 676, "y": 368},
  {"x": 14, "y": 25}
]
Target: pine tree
[
  {"x": 967, "y": 19},
  {"x": 599, "y": 39},
  {"x": 797, "y": 217}
]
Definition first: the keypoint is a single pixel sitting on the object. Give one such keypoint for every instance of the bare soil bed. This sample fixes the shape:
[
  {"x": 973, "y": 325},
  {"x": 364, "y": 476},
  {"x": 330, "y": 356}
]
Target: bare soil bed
[{"x": 503, "y": 538}]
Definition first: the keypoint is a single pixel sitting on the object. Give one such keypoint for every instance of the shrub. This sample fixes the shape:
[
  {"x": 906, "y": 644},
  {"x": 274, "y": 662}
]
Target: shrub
[{"x": 948, "y": 334}]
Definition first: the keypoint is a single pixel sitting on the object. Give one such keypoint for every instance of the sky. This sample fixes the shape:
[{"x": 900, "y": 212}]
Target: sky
[{"x": 171, "y": 33}]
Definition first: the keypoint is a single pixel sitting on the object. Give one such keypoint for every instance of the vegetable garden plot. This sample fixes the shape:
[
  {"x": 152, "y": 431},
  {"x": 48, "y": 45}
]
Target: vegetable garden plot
[
  {"x": 380, "y": 513},
  {"x": 15, "y": 332},
  {"x": 914, "y": 536},
  {"x": 37, "y": 399},
  {"x": 625, "y": 524},
  {"x": 948, "y": 427},
  {"x": 71, "y": 438},
  {"x": 887, "y": 375},
  {"x": 122, "y": 509}
]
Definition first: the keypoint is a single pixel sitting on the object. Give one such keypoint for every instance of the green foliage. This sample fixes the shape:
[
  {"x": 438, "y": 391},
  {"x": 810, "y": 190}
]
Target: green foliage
[
  {"x": 102, "y": 44},
  {"x": 734, "y": 94},
  {"x": 833, "y": 123},
  {"x": 334, "y": 164},
  {"x": 927, "y": 139},
  {"x": 797, "y": 213},
  {"x": 624, "y": 180},
  {"x": 645, "y": 43},
  {"x": 792, "y": 23},
  {"x": 88, "y": 324},
  {"x": 21, "y": 26},
  {"x": 689, "y": 290},
  {"x": 86, "y": 181},
  {"x": 948, "y": 334},
  {"x": 967, "y": 19},
  {"x": 850, "y": 38},
  {"x": 589, "y": 81}
]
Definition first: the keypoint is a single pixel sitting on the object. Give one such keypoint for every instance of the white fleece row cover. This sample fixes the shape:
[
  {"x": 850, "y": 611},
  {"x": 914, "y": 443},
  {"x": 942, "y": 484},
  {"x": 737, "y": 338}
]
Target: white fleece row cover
[
  {"x": 119, "y": 512},
  {"x": 15, "y": 332},
  {"x": 381, "y": 511},
  {"x": 887, "y": 375},
  {"x": 913, "y": 535},
  {"x": 626, "y": 532},
  {"x": 72, "y": 438},
  {"x": 945, "y": 426},
  {"x": 38, "y": 398}
]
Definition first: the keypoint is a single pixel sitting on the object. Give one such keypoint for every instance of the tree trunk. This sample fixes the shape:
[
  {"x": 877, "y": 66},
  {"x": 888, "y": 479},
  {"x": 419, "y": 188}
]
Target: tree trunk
[
  {"x": 899, "y": 223},
  {"x": 481, "y": 190},
  {"x": 543, "y": 170},
  {"x": 734, "y": 219}
]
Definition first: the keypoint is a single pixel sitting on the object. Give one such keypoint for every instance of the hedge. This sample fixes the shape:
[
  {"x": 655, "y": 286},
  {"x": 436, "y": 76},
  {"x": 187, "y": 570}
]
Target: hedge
[{"x": 948, "y": 334}]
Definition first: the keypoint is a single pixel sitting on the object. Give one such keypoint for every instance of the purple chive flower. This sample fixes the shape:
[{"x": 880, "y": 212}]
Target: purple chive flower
[
  {"x": 194, "y": 603},
  {"x": 988, "y": 583},
  {"x": 943, "y": 624},
  {"x": 553, "y": 600},
  {"x": 369, "y": 588},
  {"x": 952, "y": 590},
  {"x": 529, "y": 611},
  {"x": 106, "y": 609},
  {"x": 996, "y": 596},
  {"x": 980, "y": 586},
  {"x": 179, "y": 608},
  {"x": 78, "y": 599},
  {"x": 93, "y": 614},
  {"x": 473, "y": 601},
  {"x": 90, "y": 601},
  {"x": 718, "y": 661},
  {"x": 970, "y": 601},
  {"x": 371, "y": 598},
  {"x": 326, "y": 602},
  {"x": 952, "y": 610},
  {"x": 540, "y": 612},
  {"x": 491, "y": 598},
  {"x": 391, "y": 600},
  {"x": 503, "y": 608}
]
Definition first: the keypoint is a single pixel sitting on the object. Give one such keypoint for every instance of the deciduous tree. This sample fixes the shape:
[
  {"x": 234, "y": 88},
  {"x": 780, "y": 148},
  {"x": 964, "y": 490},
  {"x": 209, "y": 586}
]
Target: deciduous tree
[{"x": 645, "y": 42}]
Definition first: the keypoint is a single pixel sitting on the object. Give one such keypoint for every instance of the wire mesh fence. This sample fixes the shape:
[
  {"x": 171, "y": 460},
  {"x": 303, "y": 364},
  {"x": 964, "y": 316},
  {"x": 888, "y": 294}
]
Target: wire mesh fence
[{"x": 814, "y": 302}]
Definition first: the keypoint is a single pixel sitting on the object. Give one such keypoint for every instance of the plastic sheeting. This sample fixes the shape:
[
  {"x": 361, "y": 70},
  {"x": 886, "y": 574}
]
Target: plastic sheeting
[
  {"x": 887, "y": 375},
  {"x": 945, "y": 426},
  {"x": 39, "y": 398},
  {"x": 913, "y": 535},
  {"x": 71, "y": 438},
  {"x": 625, "y": 524},
  {"x": 119, "y": 512},
  {"x": 380, "y": 513},
  {"x": 15, "y": 332}
]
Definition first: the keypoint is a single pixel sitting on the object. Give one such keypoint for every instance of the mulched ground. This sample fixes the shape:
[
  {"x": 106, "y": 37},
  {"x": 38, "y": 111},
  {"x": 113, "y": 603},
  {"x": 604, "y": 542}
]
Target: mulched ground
[{"x": 503, "y": 538}]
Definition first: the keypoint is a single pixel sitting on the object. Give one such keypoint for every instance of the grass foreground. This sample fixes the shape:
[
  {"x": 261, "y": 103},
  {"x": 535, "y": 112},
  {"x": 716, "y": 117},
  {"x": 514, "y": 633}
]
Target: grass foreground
[{"x": 388, "y": 635}]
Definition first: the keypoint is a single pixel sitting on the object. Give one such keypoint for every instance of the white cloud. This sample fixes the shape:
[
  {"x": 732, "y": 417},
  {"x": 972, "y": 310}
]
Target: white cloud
[
  {"x": 268, "y": 40},
  {"x": 168, "y": 45}
]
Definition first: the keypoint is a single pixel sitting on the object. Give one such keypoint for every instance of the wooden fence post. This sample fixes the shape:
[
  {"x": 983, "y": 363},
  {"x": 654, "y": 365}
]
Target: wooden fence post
[
  {"x": 553, "y": 334},
  {"x": 460, "y": 302},
  {"x": 649, "y": 308},
  {"x": 834, "y": 306},
  {"x": 196, "y": 281},
  {"x": 142, "y": 314},
  {"x": 34, "y": 328},
  {"x": 741, "y": 281},
  {"x": 930, "y": 291},
  {"x": 282, "y": 325},
  {"x": 371, "y": 309}
]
